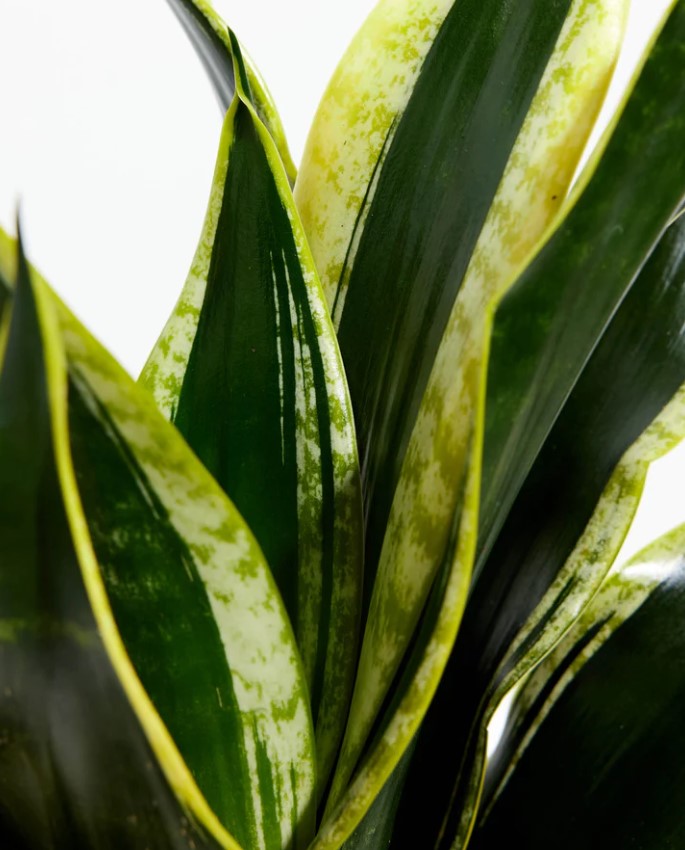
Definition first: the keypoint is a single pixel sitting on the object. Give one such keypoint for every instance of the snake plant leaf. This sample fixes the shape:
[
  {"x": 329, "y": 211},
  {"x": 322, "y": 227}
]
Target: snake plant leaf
[
  {"x": 549, "y": 355},
  {"x": 587, "y": 289},
  {"x": 209, "y": 35},
  {"x": 249, "y": 371},
  {"x": 604, "y": 750},
  {"x": 399, "y": 173},
  {"x": 418, "y": 536},
  {"x": 627, "y": 409},
  {"x": 195, "y": 603},
  {"x": 85, "y": 760}
]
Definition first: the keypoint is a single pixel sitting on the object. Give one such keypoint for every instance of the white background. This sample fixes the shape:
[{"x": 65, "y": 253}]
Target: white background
[{"x": 108, "y": 136}]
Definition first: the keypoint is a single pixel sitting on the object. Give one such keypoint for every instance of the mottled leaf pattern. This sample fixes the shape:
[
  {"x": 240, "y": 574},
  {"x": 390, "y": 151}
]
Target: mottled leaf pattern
[
  {"x": 195, "y": 602},
  {"x": 249, "y": 371},
  {"x": 85, "y": 760},
  {"x": 209, "y": 35},
  {"x": 432, "y": 522}
]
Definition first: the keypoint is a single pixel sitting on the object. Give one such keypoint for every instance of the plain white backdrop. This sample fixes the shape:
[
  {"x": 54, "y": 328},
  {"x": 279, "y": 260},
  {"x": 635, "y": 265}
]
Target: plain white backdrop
[{"x": 108, "y": 137}]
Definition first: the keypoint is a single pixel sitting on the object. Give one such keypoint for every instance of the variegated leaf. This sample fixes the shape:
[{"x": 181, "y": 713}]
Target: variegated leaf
[
  {"x": 85, "y": 759},
  {"x": 432, "y": 522},
  {"x": 249, "y": 370},
  {"x": 587, "y": 408},
  {"x": 194, "y": 602},
  {"x": 582, "y": 495},
  {"x": 399, "y": 175},
  {"x": 209, "y": 35}
]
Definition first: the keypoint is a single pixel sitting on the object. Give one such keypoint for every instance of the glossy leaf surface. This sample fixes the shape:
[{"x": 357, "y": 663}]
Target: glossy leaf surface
[
  {"x": 79, "y": 766},
  {"x": 602, "y": 242},
  {"x": 195, "y": 603},
  {"x": 541, "y": 556},
  {"x": 249, "y": 371},
  {"x": 427, "y": 529},
  {"x": 400, "y": 172},
  {"x": 607, "y": 749},
  {"x": 209, "y": 35}
]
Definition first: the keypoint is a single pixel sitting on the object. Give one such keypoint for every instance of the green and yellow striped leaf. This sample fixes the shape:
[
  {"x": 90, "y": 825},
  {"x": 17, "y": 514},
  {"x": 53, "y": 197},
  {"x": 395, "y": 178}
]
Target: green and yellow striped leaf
[
  {"x": 249, "y": 371},
  {"x": 598, "y": 729},
  {"x": 209, "y": 35},
  {"x": 401, "y": 170},
  {"x": 562, "y": 534},
  {"x": 434, "y": 524},
  {"x": 194, "y": 602},
  {"x": 85, "y": 760}
]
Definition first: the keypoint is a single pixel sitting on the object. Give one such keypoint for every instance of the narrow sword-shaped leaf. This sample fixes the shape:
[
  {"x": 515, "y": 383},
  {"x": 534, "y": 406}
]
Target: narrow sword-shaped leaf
[
  {"x": 603, "y": 761},
  {"x": 420, "y": 523},
  {"x": 209, "y": 35},
  {"x": 556, "y": 327},
  {"x": 85, "y": 760},
  {"x": 664, "y": 104},
  {"x": 587, "y": 288},
  {"x": 562, "y": 534},
  {"x": 621, "y": 593},
  {"x": 348, "y": 140},
  {"x": 249, "y": 370},
  {"x": 197, "y": 607},
  {"x": 400, "y": 172}
]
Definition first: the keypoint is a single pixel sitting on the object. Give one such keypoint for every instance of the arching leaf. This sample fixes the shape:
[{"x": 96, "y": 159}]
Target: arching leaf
[
  {"x": 209, "y": 35},
  {"x": 434, "y": 524},
  {"x": 85, "y": 759},
  {"x": 563, "y": 533},
  {"x": 194, "y": 602}
]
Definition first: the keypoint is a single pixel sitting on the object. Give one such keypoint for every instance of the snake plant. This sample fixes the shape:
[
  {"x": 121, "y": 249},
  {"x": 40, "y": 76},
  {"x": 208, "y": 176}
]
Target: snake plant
[{"x": 376, "y": 472}]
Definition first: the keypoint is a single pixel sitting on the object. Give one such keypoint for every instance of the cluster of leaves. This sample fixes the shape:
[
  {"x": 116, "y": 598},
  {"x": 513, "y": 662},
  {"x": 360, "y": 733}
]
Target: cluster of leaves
[{"x": 222, "y": 625}]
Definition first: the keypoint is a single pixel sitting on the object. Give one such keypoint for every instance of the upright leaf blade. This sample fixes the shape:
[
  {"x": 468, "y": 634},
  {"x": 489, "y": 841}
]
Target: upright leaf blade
[
  {"x": 196, "y": 604},
  {"x": 85, "y": 760},
  {"x": 562, "y": 534},
  {"x": 393, "y": 202},
  {"x": 550, "y": 354},
  {"x": 249, "y": 371},
  {"x": 424, "y": 530}
]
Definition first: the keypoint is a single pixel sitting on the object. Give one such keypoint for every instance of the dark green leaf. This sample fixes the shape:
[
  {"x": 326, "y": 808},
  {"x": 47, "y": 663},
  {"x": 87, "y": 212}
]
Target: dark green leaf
[
  {"x": 77, "y": 766},
  {"x": 592, "y": 260},
  {"x": 249, "y": 371},
  {"x": 606, "y": 763},
  {"x": 195, "y": 604},
  {"x": 432, "y": 523},
  {"x": 4, "y": 295},
  {"x": 426, "y": 201},
  {"x": 557, "y": 541},
  {"x": 209, "y": 35}
]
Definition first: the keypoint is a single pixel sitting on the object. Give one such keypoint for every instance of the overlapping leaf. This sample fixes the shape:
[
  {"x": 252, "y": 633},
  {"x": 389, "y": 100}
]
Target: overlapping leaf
[
  {"x": 599, "y": 728},
  {"x": 195, "y": 604},
  {"x": 399, "y": 174},
  {"x": 427, "y": 528},
  {"x": 84, "y": 759},
  {"x": 563, "y": 532},
  {"x": 209, "y": 35},
  {"x": 249, "y": 371}
]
